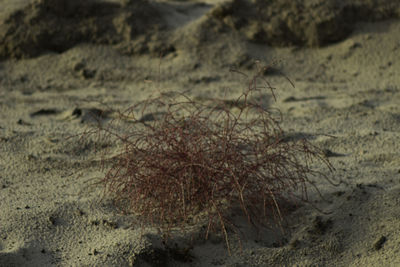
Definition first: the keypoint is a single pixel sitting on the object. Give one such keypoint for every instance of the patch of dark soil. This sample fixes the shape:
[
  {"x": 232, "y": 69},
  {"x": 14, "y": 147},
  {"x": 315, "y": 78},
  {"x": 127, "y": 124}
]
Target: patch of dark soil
[
  {"x": 42, "y": 112},
  {"x": 311, "y": 23},
  {"x": 57, "y": 25}
]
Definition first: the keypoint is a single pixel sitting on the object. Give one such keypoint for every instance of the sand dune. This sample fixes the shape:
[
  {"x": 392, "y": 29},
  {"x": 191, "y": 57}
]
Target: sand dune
[{"x": 63, "y": 61}]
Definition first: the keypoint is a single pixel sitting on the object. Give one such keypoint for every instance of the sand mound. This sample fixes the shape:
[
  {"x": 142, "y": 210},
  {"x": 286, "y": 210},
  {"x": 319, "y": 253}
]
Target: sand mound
[
  {"x": 138, "y": 27},
  {"x": 57, "y": 25},
  {"x": 302, "y": 23}
]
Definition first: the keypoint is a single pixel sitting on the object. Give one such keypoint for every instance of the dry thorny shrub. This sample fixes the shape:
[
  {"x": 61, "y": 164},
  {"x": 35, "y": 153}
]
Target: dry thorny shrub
[{"x": 182, "y": 160}]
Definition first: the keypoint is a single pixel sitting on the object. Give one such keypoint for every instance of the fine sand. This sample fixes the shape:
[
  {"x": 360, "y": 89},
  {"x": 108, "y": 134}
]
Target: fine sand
[{"x": 60, "y": 60}]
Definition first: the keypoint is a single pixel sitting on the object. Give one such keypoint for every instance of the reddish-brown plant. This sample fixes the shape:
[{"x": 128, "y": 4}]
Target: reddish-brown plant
[{"x": 183, "y": 159}]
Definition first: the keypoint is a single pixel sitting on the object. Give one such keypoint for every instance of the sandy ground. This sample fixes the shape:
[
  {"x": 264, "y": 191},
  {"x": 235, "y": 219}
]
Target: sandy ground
[{"x": 62, "y": 56}]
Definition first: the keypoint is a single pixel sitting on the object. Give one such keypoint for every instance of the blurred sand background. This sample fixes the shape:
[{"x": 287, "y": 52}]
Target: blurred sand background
[{"x": 60, "y": 58}]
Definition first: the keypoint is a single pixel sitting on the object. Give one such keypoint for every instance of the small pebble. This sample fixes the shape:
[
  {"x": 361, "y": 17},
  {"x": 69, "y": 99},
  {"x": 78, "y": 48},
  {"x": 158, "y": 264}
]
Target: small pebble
[{"x": 379, "y": 243}]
